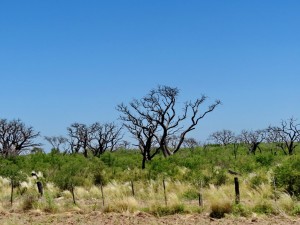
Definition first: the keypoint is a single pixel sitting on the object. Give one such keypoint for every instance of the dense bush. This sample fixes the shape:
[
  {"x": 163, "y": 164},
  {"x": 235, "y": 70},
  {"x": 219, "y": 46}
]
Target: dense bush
[{"x": 288, "y": 175}]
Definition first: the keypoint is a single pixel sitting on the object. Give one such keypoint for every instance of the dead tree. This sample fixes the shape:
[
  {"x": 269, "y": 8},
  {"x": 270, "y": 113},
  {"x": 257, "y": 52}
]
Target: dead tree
[
  {"x": 154, "y": 119},
  {"x": 79, "y": 138},
  {"x": 252, "y": 139},
  {"x": 15, "y": 137},
  {"x": 223, "y": 137},
  {"x": 163, "y": 112},
  {"x": 142, "y": 128},
  {"x": 273, "y": 139},
  {"x": 124, "y": 145},
  {"x": 57, "y": 142},
  {"x": 104, "y": 137},
  {"x": 287, "y": 135},
  {"x": 190, "y": 143}
]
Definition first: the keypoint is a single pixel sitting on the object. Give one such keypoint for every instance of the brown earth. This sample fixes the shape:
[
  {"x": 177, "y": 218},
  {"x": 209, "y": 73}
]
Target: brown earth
[{"x": 79, "y": 218}]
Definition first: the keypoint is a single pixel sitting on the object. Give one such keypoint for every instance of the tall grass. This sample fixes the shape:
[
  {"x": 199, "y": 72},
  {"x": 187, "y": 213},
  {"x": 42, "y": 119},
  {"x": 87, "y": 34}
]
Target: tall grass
[{"x": 185, "y": 175}]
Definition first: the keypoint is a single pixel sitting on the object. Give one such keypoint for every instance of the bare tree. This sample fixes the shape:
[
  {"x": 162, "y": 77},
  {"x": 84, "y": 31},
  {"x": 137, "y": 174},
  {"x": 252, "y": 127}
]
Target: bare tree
[
  {"x": 163, "y": 111},
  {"x": 104, "y": 137},
  {"x": 190, "y": 143},
  {"x": 235, "y": 146},
  {"x": 172, "y": 141},
  {"x": 57, "y": 141},
  {"x": 252, "y": 139},
  {"x": 80, "y": 136},
  {"x": 15, "y": 137},
  {"x": 153, "y": 120},
  {"x": 286, "y": 135},
  {"x": 273, "y": 138},
  {"x": 223, "y": 137},
  {"x": 96, "y": 138},
  {"x": 142, "y": 128},
  {"x": 124, "y": 144}
]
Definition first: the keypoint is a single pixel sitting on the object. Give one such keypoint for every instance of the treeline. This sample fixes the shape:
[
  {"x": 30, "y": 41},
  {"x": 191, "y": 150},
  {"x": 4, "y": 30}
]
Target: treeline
[
  {"x": 284, "y": 137},
  {"x": 156, "y": 125}
]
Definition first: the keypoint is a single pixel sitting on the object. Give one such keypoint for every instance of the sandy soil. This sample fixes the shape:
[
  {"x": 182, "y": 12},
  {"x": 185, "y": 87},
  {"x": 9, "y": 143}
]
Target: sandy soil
[{"x": 74, "y": 218}]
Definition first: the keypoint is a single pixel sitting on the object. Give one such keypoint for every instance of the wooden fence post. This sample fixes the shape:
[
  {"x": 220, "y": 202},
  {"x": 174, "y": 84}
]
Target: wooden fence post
[
  {"x": 132, "y": 188},
  {"x": 12, "y": 192},
  {"x": 275, "y": 194},
  {"x": 237, "y": 190},
  {"x": 73, "y": 194},
  {"x": 102, "y": 194},
  {"x": 200, "y": 195},
  {"x": 164, "y": 185}
]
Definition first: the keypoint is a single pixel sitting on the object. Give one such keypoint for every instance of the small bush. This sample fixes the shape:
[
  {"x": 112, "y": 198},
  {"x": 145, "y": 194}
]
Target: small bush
[
  {"x": 257, "y": 180},
  {"x": 286, "y": 202},
  {"x": 49, "y": 205},
  {"x": 241, "y": 210},
  {"x": 128, "y": 204},
  {"x": 265, "y": 160},
  {"x": 296, "y": 210},
  {"x": 220, "y": 178},
  {"x": 191, "y": 194},
  {"x": 288, "y": 176},
  {"x": 167, "y": 210},
  {"x": 264, "y": 208},
  {"x": 219, "y": 209},
  {"x": 29, "y": 202}
]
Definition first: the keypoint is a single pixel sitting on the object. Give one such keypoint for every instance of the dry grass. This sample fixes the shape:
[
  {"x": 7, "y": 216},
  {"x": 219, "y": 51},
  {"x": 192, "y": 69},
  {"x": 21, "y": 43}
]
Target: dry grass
[{"x": 149, "y": 196}]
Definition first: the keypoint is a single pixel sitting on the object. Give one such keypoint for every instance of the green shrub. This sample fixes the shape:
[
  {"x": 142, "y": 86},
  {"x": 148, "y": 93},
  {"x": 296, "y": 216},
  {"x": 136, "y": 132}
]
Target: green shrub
[
  {"x": 288, "y": 176},
  {"x": 191, "y": 194},
  {"x": 220, "y": 178},
  {"x": 296, "y": 210},
  {"x": 49, "y": 205},
  {"x": 264, "y": 208},
  {"x": 265, "y": 160},
  {"x": 168, "y": 210},
  {"x": 241, "y": 210},
  {"x": 257, "y": 180}
]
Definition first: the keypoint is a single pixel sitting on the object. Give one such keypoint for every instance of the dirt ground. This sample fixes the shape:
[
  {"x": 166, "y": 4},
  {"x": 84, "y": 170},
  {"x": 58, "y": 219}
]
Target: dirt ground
[{"x": 74, "y": 218}]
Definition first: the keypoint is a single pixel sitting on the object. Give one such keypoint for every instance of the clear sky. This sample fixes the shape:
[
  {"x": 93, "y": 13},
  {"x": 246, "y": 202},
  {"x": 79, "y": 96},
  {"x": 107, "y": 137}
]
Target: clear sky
[{"x": 74, "y": 61}]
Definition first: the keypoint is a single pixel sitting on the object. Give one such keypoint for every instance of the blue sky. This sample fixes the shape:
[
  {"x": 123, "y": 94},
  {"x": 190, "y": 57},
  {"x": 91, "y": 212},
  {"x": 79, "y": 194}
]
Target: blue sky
[{"x": 74, "y": 61}]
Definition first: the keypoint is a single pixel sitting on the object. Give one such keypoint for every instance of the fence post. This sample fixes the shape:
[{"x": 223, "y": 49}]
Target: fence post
[
  {"x": 275, "y": 194},
  {"x": 237, "y": 190},
  {"x": 101, "y": 187},
  {"x": 200, "y": 195},
  {"x": 73, "y": 194},
  {"x": 164, "y": 185},
  {"x": 132, "y": 188},
  {"x": 12, "y": 192}
]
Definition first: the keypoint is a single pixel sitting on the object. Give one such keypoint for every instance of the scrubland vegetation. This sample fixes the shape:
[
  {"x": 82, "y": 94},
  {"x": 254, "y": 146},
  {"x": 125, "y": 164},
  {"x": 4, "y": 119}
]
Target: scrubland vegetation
[
  {"x": 114, "y": 182},
  {"x": 93, "y": 169}
]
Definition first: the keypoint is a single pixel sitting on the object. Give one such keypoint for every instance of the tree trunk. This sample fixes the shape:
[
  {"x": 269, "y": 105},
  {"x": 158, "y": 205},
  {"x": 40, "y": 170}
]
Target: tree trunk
[
  {"x": 291, "y": 148},
  {"x": 144, "y": 162},
  {"x": 85, "y": 153},
  {"x": 166, "y": 152}
]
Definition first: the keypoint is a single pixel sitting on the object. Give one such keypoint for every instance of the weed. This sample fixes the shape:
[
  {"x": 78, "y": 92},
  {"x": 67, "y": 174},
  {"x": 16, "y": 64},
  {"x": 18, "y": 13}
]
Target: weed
[
  {"x": 264, "y": 207},
  {"x": 160, "y": 210}
]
